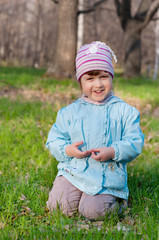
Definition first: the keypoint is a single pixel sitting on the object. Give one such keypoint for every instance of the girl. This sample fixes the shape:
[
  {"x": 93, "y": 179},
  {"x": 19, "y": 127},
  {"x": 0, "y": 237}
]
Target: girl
[{"x": 93, "y": 139}]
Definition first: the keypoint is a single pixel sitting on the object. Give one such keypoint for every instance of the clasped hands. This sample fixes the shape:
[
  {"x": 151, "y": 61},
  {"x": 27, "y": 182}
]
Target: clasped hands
[{"x": 99, "y": 154}]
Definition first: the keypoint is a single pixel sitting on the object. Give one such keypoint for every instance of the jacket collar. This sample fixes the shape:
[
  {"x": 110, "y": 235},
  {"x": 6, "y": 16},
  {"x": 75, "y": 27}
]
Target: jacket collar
[{"x": 112, "y": 99}]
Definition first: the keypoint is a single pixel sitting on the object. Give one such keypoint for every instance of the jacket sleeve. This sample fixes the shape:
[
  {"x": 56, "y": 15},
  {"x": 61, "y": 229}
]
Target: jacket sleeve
[
  {"x": 132, "y": 139},
  {"x": 59, "y": 138}
]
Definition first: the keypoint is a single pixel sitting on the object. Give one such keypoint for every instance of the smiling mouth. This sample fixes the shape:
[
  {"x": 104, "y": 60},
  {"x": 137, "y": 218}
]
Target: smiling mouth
[{"x": 99, "y": 92}]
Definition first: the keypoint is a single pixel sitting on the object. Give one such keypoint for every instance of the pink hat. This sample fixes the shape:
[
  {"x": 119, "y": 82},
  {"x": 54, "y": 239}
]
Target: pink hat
[{"x": 94, "y": 56}]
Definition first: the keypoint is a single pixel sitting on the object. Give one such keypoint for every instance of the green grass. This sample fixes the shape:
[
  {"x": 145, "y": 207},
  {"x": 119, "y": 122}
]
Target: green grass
[
  {"x": 144, "y": 88},
  {"x": 32, "y": 79},
  {"x": 17, "y": 77},
  {"x": 27, "y": 170}
]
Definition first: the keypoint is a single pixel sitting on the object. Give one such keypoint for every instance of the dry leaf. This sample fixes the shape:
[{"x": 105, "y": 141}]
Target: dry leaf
[
  {"x": 82, "y": 226},
  {"x": 22, "y": 198},
  {"x": 1, "y": 225}
]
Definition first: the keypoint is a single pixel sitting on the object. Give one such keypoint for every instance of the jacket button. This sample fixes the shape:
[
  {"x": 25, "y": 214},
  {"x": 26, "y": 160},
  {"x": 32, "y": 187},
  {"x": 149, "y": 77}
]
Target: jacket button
[{"x": 111, "y": 167}]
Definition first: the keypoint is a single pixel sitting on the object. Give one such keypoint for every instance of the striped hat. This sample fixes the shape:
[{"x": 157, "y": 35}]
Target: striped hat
[{"x": 94, "y": 56}]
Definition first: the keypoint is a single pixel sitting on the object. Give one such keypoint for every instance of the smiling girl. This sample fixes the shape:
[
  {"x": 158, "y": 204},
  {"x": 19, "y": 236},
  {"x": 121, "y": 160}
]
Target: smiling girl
[{"x": 93, "y": 139}]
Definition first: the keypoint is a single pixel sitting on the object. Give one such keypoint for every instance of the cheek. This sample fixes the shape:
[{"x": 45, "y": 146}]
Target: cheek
[
  {"x": 110, "y": 85},
  {"x": 85, "y": 87}
]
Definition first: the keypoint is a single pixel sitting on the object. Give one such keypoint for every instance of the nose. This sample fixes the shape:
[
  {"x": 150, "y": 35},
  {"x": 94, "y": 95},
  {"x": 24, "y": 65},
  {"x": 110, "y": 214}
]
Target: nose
[{"x": 99, "y": 82}]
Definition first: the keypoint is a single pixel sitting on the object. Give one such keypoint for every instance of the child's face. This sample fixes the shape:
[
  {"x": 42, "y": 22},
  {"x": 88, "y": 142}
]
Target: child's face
[{"x": 96, "y": 87}]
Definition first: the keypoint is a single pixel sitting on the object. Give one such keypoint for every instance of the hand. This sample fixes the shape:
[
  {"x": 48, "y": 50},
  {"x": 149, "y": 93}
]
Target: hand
[
  {"x": 73, "y": 151},
  {"x": 103, "y": 154}
]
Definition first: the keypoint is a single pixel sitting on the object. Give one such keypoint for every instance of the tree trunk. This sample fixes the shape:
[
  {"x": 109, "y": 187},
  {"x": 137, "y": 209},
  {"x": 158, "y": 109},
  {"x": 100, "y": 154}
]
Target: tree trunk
[
  {"x": 132, "y": 26},
  {"x": 63, "y": 65},
  {"x": 132, "y": 41},
  {"x": 80, "y": 31},
  {"x": 157, "y": 49}
]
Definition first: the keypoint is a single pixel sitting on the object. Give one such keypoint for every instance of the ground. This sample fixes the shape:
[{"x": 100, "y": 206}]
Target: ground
[{"x": 63, "y": 97}]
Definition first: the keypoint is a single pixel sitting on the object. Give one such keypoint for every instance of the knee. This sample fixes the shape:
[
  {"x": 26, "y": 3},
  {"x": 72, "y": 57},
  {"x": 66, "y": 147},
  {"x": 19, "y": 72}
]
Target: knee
[
  {"x": 67, "y": 207},
  {"x": 89, "y": 209},
  {"x": 62, "y": 205},
  {"x": 64, "y": 196},
  {"x": 93, "y": 208}
]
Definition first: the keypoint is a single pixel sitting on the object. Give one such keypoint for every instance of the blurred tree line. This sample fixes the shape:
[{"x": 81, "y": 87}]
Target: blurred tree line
[{"x": 45, "y": 33}]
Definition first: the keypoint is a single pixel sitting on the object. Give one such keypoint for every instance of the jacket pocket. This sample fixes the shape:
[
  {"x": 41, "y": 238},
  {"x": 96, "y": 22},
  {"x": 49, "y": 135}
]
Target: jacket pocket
[
  {"x": 76, "y": 166},
  {"x": 114, "y": 178}
]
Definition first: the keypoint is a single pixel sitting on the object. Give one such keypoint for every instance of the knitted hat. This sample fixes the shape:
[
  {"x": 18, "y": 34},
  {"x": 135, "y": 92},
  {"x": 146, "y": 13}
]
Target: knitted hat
[{"x": 94, "y": 56}]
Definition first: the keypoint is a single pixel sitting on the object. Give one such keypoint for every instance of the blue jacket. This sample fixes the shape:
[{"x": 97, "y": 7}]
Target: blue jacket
[{"x": 114, "y": 124}]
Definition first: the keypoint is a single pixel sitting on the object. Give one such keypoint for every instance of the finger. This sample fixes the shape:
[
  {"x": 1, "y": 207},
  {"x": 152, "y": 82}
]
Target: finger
[
  {"x": 96, "y": 157},
  {"x": 79, "y": 154},
  {"x": 96, "y": 150},
  {"x": 85, "y": 154},
  {"x": 76, "y": 144}
]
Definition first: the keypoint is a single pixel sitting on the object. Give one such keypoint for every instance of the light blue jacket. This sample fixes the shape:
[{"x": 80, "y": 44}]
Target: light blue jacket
[{"x": 114, "y": 124}]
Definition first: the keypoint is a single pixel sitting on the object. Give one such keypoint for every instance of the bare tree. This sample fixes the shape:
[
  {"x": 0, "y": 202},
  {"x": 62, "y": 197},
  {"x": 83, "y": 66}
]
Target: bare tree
[
  {"x": 157, "y": 48},
  {"x": 132, "y": 26},
  {"x": 67, "y": 41},
  {"x": 80, "y": 30},
  {"x": 26, "y": 33},
  {"x": 39, "y": 34},
  {"x": 29, "y": 31},
  {"x": 64, "y": 60}
]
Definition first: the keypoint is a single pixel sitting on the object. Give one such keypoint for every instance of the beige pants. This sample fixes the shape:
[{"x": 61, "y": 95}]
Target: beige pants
[{"x": 71, "y": 200}]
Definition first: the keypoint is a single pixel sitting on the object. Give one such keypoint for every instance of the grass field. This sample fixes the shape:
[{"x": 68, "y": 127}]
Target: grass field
[{"x": 28, "y": 105}]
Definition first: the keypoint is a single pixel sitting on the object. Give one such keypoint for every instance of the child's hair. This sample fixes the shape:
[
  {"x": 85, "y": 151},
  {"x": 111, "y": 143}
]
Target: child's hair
[
  {"x": 90, "y": 73},
  {"x": 93, "y": 73},
  {"x": 94, "y": 56}
]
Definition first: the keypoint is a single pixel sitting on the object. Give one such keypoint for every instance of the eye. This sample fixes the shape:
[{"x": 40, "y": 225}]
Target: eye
[
  {"x": 105, "y": 76},
  {"x": 89, "y": 79}
]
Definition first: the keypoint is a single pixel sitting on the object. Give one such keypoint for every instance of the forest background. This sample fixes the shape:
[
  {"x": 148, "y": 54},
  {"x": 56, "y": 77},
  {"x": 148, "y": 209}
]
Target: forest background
[{"x": 29, "y": 30}]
